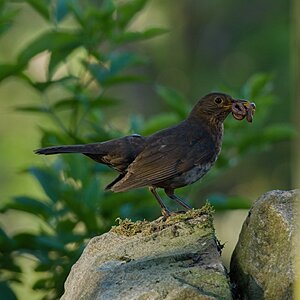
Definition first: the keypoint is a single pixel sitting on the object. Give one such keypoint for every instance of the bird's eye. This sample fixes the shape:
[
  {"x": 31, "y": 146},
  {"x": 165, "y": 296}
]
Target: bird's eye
[{"x": 218, "y": 100}]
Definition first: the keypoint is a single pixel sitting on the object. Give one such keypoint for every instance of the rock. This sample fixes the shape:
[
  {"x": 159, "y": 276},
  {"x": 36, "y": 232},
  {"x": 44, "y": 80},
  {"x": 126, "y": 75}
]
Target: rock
[
  {"x": 262, "y": 264},
  {"x": 174, "y": 259}
]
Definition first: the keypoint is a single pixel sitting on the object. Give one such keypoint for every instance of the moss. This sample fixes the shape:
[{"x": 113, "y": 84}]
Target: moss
[{"x": 193, "y": 217}]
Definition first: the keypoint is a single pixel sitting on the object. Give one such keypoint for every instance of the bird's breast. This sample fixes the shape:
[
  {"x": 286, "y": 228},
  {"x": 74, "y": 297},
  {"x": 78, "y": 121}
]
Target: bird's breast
[
  {"x": 195, "y": 173},
  {"x": 187, "y": 177}
]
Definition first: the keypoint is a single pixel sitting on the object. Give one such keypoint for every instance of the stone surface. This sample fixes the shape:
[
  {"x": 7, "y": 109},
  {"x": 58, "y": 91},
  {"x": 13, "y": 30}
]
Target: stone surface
[
  {"x": 174, "y": 259},
  {"x": 262, "y": 264}
]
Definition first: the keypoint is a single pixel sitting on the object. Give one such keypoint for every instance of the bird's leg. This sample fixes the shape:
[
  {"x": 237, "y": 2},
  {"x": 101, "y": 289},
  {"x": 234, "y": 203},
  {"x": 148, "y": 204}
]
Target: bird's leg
[
  {"x": 170, "y": 194},
  {"x": 164, "y": 210}
]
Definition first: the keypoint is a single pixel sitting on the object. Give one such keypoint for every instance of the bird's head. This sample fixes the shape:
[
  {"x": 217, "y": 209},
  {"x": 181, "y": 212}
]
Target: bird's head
[{"x": 217, "y": 106}]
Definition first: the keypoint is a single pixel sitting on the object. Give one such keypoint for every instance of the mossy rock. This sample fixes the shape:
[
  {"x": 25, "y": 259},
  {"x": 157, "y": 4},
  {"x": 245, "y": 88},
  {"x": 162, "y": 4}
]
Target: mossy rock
[
  {"x": 262, "y": 265},
  {"x": 177, "y": 258}
]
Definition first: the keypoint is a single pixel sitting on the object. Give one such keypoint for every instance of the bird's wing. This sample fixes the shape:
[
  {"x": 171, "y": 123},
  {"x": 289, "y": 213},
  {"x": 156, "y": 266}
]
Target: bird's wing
[
  {"x": 118, "y": 153},
  {"x": 162, "y": 160}
]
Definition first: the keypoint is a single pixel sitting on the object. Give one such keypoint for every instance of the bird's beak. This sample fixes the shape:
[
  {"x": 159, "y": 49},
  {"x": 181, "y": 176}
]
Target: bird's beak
[{"x": 242, "y": 108}]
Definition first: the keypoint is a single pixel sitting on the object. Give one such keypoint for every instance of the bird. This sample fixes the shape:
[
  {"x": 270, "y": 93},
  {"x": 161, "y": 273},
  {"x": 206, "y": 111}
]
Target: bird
[{"x": 170, "y": 158}]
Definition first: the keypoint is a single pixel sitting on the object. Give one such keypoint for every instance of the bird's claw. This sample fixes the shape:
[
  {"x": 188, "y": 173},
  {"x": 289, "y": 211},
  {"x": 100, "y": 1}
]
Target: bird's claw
[{"x": 165, "y": 213}]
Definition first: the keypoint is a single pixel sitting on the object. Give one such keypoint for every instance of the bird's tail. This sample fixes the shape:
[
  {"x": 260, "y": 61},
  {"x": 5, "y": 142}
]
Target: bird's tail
[{"x": 63, "y": 149}]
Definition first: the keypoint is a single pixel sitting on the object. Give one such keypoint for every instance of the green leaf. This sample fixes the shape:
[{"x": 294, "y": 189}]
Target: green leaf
[
  {"x": 6, "y": 242},
  {"x": 43, "y": 284},
  {"x": 136, "y": 123},
  {"x": 66, "y": 226},
  {"x": 53, "y": 41},
  {"x": 69, "y": 103},
  {"x": 41, "y": 6},
  {"x": 128, "y": 10},
  {"x": 78, "y": 12},
  {"x": 48, "y": 181},
  {"x": 50, "y": 242},
  {"x": 91, "y": 193},
  {"x": 34, "y": 244},
  {"x": 107, "y": 8},
  {"x": 32, "y": 206},
  {"x": 6, "y": 292},
  {"x": 6, "y": 19},
  {"x": 116, "y": 62},
  {"x": 174, "y": 100},
  {"x": 7, "y": 70},
  {"x": 78, "y": 168},
  {"x": 33, "y": 108},
  {"x": 25, "y": 241},
  {"x": 139, "y": 36},
  {"x": 43, "y": 86},
  {"x": 104, "y": 102},
  {"x": 57, "y": 58},
  {"x": 258, "y": 84},
  {"x": 159, "y": 122},
  {"x": 97, "y": 22},
  {"x": 62, "y": 8}
]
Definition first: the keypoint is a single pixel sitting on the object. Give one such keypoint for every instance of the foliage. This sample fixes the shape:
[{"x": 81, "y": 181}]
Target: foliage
[{"x": 74, "y": 208}]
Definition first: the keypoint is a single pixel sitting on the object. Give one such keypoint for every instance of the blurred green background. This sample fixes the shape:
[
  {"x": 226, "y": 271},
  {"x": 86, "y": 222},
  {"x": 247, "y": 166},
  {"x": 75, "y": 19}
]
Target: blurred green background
[{"x": 102, "y": 83}]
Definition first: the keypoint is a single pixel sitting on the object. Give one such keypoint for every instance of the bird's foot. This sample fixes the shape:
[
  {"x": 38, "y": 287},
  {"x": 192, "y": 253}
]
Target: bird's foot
[{"x": 165, "y": 213}]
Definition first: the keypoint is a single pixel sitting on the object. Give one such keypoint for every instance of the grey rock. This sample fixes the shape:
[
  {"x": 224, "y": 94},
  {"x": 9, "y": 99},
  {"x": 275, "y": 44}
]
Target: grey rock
[
  {"x": 262, "y": 264},
  {"x": 174, "y": 259}
]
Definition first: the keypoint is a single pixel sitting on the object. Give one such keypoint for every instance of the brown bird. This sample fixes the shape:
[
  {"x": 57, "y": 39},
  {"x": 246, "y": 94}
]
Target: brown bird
[{"x": 170, "y": 158}]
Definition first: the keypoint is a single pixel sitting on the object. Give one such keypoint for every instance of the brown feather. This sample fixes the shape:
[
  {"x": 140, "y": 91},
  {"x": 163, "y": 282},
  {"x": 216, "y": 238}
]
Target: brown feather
[{"x": 154, "y": 164}]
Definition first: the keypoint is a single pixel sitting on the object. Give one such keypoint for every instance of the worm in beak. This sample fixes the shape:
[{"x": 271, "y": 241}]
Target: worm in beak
[{"x": 243, "y": 109}]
